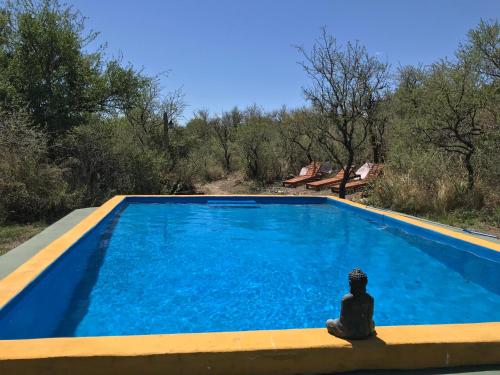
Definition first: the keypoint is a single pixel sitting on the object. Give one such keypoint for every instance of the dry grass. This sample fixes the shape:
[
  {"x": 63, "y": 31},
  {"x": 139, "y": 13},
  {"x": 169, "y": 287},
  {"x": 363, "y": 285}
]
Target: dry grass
[
  {"x": 14, "y": 235},
  {"x": 441, "y": 196}
]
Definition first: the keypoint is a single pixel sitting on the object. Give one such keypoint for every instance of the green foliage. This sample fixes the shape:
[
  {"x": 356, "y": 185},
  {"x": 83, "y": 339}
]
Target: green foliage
[
  {"x": 299, "y": 137},
  {"x": 104, "y": 160},
  {"x": 483, "y": 46},
  {"x": 443, "y": 145},
  {"x": 259, "y": 151},
  {"x": 77, "y": 128},
  {"x": 31, "y": 188},
  {"x": 44, "y": 67}
]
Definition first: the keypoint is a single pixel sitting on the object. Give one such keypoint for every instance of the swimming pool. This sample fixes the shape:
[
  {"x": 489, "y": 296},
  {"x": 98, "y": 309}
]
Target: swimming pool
[{"x": 184, "y": 265}]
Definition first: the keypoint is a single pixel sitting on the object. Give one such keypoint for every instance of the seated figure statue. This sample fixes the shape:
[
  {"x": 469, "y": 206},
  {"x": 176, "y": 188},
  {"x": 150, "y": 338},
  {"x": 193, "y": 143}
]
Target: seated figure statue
[{"x": 356, "y": 314}]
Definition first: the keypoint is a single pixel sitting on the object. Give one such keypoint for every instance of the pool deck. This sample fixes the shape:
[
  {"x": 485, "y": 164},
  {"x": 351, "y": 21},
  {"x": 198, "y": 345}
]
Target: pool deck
[
  {"x": 17, "y": 256},
  {"x": 257, "y": 352}
]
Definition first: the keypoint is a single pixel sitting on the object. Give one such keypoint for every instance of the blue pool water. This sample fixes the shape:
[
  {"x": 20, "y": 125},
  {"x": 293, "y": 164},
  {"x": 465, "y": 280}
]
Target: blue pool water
[{"x": 177, "y": 268}]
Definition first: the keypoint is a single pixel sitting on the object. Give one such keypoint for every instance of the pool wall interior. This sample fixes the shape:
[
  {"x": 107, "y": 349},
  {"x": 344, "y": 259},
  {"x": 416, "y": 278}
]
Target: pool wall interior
[{"x": 286, "y": 351}]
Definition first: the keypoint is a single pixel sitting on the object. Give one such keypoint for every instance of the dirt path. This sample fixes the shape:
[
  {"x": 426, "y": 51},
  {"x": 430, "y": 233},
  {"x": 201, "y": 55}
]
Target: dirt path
[
  {"x": 233, "y": 184},
  {"x": 236, "y": 184}
]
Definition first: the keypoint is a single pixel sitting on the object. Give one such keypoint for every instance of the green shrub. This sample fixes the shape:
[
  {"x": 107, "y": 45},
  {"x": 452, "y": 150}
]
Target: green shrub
[
  {"x": 31, "y": 187},
  {"x": 105, "y": 160}
]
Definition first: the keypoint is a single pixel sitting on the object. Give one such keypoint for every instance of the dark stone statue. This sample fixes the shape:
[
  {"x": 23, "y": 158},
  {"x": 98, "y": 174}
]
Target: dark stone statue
[{"x": 356, "y": 314}]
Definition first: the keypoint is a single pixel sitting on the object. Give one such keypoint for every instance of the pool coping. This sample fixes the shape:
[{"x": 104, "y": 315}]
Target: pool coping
[
  {"x": 20, "y": 254},
  {"x": 256, "y": 352}
]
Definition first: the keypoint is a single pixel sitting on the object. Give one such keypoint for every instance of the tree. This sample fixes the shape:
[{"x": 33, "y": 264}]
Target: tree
[
  {"x": 256, "y": 149},
  {"x": 453, "y": 99},
  {"x": 343, "y": 82},
  {"x": 172, "y": 106},
  {"x": 408, "y": 95},
  {"x": 377, "y": 119},
  {"x": 154, "y": 118},
  {"x": 225, "y": 128},
  {"x": 45, "y": 67},
  {"x": 297, "y": 128},
  {"x": 31, "y": 188},
  {"x": 483, "y": 45}
]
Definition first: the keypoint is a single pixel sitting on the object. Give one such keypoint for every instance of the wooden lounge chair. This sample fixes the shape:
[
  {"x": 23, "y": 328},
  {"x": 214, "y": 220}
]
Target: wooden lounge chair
[
  {"x": 311, "y": 174},
  {"x": 318, "y": 185},
  {"x": 375, "y": 171}
]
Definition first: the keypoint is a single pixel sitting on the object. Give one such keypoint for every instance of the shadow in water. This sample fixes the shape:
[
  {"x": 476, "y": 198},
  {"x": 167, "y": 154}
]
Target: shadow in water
[
  {"x": 481, "y": 271},
  {"x": 80, "y": 300}
]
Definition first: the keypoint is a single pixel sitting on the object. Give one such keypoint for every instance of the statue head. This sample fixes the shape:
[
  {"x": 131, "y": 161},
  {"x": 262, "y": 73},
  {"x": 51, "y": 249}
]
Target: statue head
[{"x": 358, "y": 281}]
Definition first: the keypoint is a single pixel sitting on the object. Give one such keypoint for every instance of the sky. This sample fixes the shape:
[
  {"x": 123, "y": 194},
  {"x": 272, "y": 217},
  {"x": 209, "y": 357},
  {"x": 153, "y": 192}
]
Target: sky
[{"x": 226, "y": 53}]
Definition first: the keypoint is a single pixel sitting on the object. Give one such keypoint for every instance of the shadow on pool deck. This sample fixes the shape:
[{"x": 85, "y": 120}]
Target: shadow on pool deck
[{"x": 478, "y": 370}]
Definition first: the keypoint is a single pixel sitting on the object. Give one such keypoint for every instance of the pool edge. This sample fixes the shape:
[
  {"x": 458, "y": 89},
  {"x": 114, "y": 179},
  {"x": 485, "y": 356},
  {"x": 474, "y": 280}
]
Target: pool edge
[
  {"x": 12, "y": 284},
  {"x": 256, "y": 352}
]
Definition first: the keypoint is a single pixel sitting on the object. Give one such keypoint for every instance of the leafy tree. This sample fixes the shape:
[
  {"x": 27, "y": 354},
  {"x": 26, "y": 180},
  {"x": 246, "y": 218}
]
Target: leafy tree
[
  {"x": 103, "y": 159},
  {"x": 256, "y": 139},
  {"x": 453, "y": 99},
  {"x": 483, "y": 45},
  {"x": 45, "y": 68},
  {"x": 344, "y": 80},
  {"x": 31, "y": 188},
  {"x": 298, "y": 129},
  {"x": 377, "y": 118}
]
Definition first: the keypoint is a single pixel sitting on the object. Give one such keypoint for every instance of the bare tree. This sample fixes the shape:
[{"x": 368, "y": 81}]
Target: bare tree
[
  {"x": 172, "y": 106},
  {"x": 343, "y": 81}
]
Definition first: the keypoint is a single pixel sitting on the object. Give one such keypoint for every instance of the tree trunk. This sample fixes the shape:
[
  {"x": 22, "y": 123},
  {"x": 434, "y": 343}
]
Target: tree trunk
[
  {"x": 166, "y": 140},
  {"x": 376, "y": 148},
  {"x": 376, "y": 154},
  {"x": 227, "y": 160},
  {"x": 345, "y": 178},
  {"x": 309, "y": 154},
  {"x": 343, "y": 183},
  {"x": 470, "y": 171}
]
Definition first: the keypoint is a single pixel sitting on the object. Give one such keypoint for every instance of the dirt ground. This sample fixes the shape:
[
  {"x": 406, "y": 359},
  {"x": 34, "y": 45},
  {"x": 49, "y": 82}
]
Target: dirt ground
[{"x": 236, "y": 184}]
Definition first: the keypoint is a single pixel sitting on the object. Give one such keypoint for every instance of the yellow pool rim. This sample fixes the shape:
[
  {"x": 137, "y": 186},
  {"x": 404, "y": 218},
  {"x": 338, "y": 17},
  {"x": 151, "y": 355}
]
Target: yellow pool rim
[{"x": 250, "y": 352}]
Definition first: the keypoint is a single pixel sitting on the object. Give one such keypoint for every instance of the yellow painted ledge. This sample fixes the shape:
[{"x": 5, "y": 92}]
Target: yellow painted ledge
[{"x": 256, "y": 352}]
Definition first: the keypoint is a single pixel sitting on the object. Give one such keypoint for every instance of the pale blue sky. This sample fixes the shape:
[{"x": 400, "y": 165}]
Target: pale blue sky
[{"x": 233, "y": 52}]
